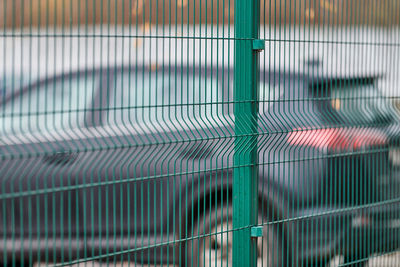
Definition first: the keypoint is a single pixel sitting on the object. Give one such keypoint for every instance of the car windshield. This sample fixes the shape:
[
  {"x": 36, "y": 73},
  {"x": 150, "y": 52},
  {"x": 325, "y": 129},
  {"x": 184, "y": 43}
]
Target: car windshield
[
  {"x": 51, "y": 105},
  {"x": 362, "y": 104}
]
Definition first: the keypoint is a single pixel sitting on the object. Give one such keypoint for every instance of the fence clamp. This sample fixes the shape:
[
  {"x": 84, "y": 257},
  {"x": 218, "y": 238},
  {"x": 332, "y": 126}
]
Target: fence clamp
[
  {"x": 256, "y": 231},
  {"x": 258, "y": 45}
]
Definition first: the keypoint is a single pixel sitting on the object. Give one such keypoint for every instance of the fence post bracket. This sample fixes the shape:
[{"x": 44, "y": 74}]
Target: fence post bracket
[
  {"x": 258, "y": 45},
  {"x": 256, "y": 231}
]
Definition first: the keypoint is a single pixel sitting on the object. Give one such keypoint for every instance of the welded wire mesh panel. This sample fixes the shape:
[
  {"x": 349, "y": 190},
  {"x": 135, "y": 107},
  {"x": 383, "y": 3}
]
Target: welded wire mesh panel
[
  {"x": 329, "y": 131},
  {"x": 116, "y": 132},
  {"x": 199, "y": 133}
]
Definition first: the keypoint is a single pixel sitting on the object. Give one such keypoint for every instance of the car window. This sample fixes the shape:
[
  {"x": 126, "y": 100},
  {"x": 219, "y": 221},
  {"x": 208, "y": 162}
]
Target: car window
[
  {"x": 269, "y": 93},
  {"x": 149, "y": 97},
  {"x": 52, "y": 105},
  {"x": 9, "y": 81},
  {"x": 361, "y": 104}
]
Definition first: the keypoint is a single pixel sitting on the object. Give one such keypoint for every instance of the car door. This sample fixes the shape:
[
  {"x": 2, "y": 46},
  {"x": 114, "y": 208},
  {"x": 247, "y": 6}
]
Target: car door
[
  {"x": 41, "y": 140},
  {"x": 152, "y": 116}
]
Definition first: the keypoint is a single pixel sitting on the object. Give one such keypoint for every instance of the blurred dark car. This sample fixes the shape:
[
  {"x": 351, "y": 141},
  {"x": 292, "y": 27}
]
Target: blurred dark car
[{"x": 136, "y": 162}]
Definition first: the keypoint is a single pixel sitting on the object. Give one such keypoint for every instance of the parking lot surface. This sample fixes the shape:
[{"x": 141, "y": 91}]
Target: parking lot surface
[{"x": 387, "y": 260}]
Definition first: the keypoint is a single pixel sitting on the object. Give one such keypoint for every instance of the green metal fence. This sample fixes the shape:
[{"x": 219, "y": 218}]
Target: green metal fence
[{"x": 199, "y": 133}]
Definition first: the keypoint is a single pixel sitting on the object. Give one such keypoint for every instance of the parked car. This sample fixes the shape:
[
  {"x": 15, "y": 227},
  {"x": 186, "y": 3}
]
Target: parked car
[{"x": 136, "y": 162}]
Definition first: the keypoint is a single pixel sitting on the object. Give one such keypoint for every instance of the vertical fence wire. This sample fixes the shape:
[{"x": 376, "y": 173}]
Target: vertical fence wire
[{"x": 199, "y": 133}]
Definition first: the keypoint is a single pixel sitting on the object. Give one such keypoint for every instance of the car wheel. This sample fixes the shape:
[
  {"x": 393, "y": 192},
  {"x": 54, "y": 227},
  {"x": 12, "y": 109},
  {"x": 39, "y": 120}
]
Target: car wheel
[
  {"x": 349, "y": 261},
  {"x": 216, "y": 250}
]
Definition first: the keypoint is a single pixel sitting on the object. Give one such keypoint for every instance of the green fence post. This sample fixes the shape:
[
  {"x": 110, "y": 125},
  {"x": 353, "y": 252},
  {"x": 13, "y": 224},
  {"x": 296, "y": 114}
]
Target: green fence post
[{"x": 246, "y": 107}]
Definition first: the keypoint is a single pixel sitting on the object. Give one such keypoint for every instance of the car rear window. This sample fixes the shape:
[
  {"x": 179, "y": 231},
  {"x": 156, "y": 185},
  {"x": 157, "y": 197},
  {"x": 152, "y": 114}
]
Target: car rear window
[{"x": 361, "y": 104}]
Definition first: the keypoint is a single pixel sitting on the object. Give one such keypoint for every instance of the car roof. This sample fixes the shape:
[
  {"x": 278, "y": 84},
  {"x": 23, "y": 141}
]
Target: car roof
[{"x": 310, "y": 51}]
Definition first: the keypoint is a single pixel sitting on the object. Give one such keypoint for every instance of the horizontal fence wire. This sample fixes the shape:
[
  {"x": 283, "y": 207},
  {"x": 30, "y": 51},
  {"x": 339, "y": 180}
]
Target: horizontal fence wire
[{"x": 166, "y": 133}]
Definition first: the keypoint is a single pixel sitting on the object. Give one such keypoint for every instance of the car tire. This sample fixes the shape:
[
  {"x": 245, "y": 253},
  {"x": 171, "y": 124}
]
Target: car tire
[
  {"x": 207, "y": 250},
  {"x": 349, "y": 258}
]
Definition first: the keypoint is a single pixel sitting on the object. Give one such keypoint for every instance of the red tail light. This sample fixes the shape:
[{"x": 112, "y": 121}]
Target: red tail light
[{"x": 343, "y": 139}]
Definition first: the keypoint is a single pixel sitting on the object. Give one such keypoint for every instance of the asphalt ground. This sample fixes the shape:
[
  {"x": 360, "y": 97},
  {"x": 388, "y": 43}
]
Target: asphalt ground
[{"x": 387, "y": 260}]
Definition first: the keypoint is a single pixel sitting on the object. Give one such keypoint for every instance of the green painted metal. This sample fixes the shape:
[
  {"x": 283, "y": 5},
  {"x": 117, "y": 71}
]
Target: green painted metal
[
  {"x": 245, "y": 177},
  {"x": 257, "y": 231},
  {"x": 258, "y": 45},
  {"x": 199, "y": 133}
]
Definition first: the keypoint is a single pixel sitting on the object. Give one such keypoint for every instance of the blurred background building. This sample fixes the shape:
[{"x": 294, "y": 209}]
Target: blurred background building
[{"x": 25, "y": 13}]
